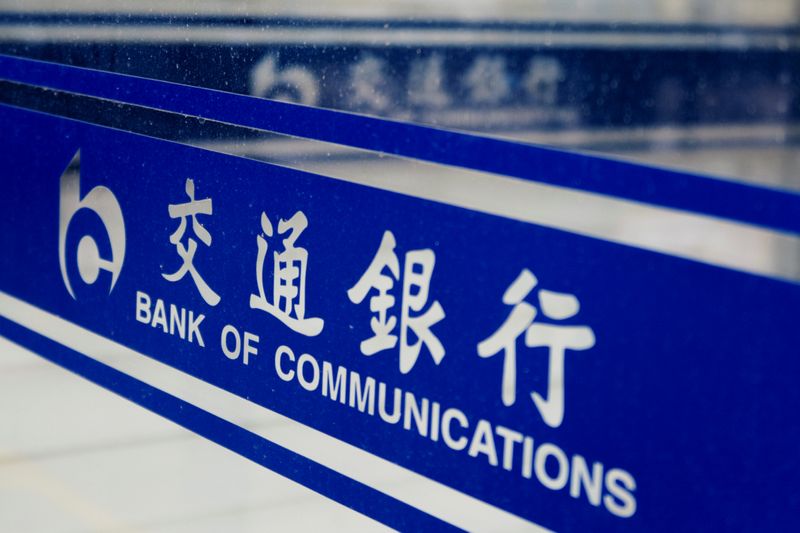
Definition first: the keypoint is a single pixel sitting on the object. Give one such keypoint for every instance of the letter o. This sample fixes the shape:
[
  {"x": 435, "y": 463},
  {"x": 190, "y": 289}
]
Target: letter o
[
  {"x": 301, "y": 378},
  {"x": 540, "y": 466},
  {"x": 226, "y": 332}
]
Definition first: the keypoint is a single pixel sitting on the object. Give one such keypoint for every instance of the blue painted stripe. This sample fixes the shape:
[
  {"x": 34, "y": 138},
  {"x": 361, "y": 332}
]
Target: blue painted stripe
[
  {"x": 319, "y": 478},
  {"x": 761, "y": 206}
]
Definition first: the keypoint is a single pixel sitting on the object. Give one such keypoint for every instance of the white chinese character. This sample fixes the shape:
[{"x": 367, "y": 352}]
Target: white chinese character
[
  {"x": 373, "y": 278},
  {"x": 368, "y": 84},
  {"x": 289, "y": 277},
  {"x": 557, "y": 338},
  {"x": 426, "y": 83},
  {"x": 416, "y": 282},
  {"x": 487, "y": 81},
  {"x": 542, "y": 79},
  {"x": 192, "y": 208}
]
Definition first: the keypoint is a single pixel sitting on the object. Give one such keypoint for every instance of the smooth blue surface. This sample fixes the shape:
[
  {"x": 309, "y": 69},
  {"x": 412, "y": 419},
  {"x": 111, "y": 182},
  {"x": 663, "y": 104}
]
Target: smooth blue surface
[
  {"x": 750, "y": 204},
  {"x": 691, "y": 386}
]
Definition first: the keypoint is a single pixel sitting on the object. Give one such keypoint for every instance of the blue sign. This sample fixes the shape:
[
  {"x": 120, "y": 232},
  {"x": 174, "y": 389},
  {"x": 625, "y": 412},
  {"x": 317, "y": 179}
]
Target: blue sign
[
  {"x": 572, "y": 383},
  {"x": 484, "y": 76}
]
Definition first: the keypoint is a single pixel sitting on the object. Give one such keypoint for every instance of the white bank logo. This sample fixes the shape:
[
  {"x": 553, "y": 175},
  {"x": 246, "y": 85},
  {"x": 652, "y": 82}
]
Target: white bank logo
[{"x": 104, "y": 204}]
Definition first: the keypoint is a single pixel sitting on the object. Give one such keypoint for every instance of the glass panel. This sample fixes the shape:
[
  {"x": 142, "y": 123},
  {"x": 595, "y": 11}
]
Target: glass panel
[{"x": 686, "y": 84}]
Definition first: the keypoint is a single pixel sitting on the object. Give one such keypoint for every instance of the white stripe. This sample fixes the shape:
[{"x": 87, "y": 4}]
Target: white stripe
[
  {"x": 710, "y": 240},
  {"x": 748, "y": 12},
  {"x": 49, "y": 33},
  {"x": 418, "y": 491},
  {"x": 661, "y": 137}
]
